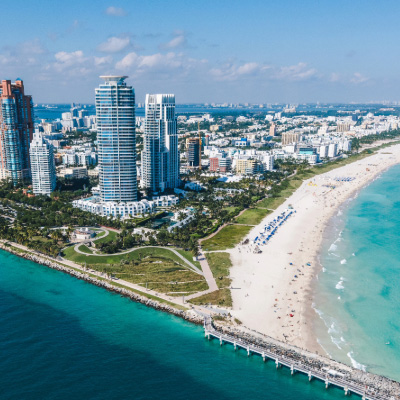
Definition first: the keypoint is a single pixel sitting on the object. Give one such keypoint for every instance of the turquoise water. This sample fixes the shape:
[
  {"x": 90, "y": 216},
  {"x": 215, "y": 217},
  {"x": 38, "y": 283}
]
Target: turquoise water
[
  {"x": 358, "y": 291},
  {"x": 62, "y": 338}
]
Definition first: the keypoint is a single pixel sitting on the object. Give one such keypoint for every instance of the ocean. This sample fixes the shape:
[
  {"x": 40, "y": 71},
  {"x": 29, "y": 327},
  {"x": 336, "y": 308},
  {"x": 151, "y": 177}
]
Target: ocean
[
  {"x": 53, "y": 111},
  {"x": 357, "y": 295},
  {"x": 62, "y": 338}
]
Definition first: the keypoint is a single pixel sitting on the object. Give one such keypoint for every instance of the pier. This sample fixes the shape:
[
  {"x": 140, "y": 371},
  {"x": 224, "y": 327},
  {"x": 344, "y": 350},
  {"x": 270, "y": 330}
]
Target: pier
[{"x": 368, "y": 390}]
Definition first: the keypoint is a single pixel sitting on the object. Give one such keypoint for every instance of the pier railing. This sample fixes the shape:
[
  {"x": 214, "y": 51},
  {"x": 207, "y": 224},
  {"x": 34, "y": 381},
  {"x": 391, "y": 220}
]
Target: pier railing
[{"x": 338, "y": 379}]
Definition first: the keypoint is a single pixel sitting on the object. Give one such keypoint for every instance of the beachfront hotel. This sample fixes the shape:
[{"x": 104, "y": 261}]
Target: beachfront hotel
[
  {"x": 42, "y": 165},
  {"x": 16, "y": 129},
  {"x": 116, "y": 139},
  {"x": 160, "y": 156}
]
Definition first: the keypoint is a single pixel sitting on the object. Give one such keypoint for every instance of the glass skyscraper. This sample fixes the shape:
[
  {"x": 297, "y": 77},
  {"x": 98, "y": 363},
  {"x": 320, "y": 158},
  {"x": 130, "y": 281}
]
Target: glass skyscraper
[
  {"x": 116, "y": 140},
  {"x": 16, "y": 129},
  {"x": 160, "y": 156}
]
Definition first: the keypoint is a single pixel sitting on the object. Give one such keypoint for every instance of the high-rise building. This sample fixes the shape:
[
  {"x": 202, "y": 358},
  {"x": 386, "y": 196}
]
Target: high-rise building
[
  {"x": 42, "y": 165},
  {"x": 116, "y": 140},
  {"x": 272, "y": 130},
  {"x": 193, "y": 151},
  {"x": 16, "y": 129},
  {"x": 160, "y": 156}
]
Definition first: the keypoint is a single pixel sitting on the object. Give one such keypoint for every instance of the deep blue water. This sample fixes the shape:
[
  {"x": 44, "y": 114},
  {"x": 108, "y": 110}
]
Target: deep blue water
[
  {"x": 62, "y": 338},
  {"x": 358, "y": 291}
]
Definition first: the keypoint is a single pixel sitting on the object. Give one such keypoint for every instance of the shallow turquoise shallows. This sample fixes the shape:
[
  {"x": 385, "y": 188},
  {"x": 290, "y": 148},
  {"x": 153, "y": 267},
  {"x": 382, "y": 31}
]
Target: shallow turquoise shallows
[
  {"x": 358, "y": 291},
  {"x": 62, "y": 338}
]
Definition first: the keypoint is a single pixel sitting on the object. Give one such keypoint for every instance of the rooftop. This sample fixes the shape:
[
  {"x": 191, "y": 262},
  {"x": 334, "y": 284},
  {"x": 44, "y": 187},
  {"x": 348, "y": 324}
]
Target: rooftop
[{"x": 113, "y": 78}]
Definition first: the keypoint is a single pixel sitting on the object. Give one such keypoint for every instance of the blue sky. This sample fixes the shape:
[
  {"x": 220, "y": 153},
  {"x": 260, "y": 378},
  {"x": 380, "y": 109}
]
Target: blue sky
[{"x": 205, "y": 51}]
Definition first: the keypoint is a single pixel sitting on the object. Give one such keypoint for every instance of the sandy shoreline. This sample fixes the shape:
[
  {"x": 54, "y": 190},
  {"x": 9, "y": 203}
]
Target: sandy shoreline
[{"x": 266, "y": 290}]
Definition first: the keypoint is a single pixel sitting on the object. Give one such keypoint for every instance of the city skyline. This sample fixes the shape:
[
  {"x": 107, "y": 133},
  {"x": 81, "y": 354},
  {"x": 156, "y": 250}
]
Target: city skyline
[{"x": 299, "y": 52}]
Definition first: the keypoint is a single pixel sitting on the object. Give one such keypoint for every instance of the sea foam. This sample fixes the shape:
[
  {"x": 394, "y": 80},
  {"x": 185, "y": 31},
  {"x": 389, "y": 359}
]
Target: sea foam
[
  {"x": 339, "y": 285},
  {"x": 355, "y": 363},
  {"x": 332, "y": 248}
]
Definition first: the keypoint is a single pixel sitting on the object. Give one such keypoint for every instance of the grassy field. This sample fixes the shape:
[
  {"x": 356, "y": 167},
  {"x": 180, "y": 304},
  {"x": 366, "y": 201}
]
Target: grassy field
[
  {"x": 159, "y": 269},
  {"x": 85, "y": 249},
  {"x": 220, "y": 297},
  {"x": 220, "y": 263},
  {"x": 189, "y": 256},
  {"x": 272, "y": 203},
  {"x": 226, "y": 238},
  {"x": 137, "y": 255},
  {"x": 109, "y": 238},
  {"x": 252, "y": 216},
  {"x": 230, "y": 209}
]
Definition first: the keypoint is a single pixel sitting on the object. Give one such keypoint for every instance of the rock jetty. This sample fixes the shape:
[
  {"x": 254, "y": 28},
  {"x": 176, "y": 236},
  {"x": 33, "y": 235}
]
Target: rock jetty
[{"x": 188, "y": 315}]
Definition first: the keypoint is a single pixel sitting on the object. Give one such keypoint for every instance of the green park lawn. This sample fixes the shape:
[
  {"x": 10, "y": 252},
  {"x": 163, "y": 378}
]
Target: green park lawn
[
  {"x": 220, "y": 297},
  {"x": 159, "y": 269},
  {"x": 220, "y": 263},
  {"x": 109, "y": 238},
  {"x": 252, "y": 216},
  {"x": 226, "y": 238},
  {"x": 189, "y": 256}
]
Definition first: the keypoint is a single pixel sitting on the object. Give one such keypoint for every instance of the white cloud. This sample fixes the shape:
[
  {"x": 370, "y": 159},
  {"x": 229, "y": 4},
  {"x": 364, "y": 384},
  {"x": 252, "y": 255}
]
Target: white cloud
[
  {"x": 32, "y": 47},
  {"x": 72, "y": 62},
  {"x": 116, "y": 11},
  {"x": 179, "y": 40},
  {"x": 99, "y": 61},
  {"x": 175, "y": 42},
  {"x": 358, "y": 78},
  {"x": 335, "y": 77},
  {"x": 298, "y": 72},
  {"x": 114, "y": 44},
  {"x": 154, "y": 61},
  {"x": 231, "y": 72},
  {"x": 73, "y": 57}
]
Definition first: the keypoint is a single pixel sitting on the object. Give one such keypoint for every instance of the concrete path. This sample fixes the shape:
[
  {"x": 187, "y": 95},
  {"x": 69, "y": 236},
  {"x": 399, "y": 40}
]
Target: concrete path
[{"x": 212, "y": 284}]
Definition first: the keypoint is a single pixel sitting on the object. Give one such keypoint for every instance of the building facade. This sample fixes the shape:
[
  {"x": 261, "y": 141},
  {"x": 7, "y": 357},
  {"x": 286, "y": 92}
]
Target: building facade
[
  {"x": 16, "y": 130},
  {"x": 246, "y": 166},
  {"x": 193, "y": 151},
  {"x": 220, "y": 164},
  {"x": 124, "y": 209},
  {"x": 290, "y": 137},
  {"x": 272, "y": 130},
  {"x": 160, "y": 156},
  {"x": 116, "y": 139},
  {"x": 42, "y": 165}
]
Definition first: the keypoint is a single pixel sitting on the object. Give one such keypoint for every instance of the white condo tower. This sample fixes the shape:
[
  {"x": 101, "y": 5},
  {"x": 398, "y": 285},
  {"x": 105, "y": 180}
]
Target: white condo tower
[
  {"x": 42, "y": 165},
  {"x": 160, "y": 156}
]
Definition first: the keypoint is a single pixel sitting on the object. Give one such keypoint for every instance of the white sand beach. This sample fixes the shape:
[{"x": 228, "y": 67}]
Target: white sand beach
[{"x": 266, "y": 292}]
